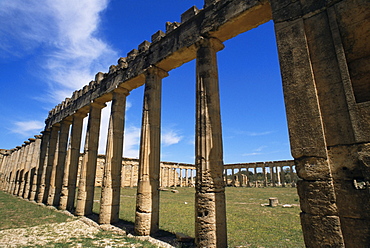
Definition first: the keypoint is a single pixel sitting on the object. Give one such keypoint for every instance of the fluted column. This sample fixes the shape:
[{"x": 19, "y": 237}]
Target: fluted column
[
  {"x": 68, "y": 192},
  {"x": 264, "y": 176},
  {"x": 210, "y": 207},
  {"x": 40, "y": 178},
  {"x": 34, "y": 152},
  {"x": 34, "y": 170},
  {"x": 56, "y": 178},
  {"x": 85, "y": 196},
  {"x": 22, "y": 169},
  {"x": 147, "y": 201},
  {"x": 111, "y": 185},
  {"x": 14, "y": 164}
]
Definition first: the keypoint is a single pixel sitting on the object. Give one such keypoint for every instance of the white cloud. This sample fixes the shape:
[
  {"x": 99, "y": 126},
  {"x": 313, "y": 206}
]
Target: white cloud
[
  {"x": 170, "y": 137},
  {"x": 65, "y": 34},
  {"x": 27, "y": 127},
  {"x": 131, "y": 142},
  {"x": 251, "y": 154}
]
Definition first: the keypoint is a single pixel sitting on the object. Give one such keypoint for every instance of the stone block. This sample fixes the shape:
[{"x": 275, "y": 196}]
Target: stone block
[
  {"x": 302, "y": 108},
  {"x": 351, "y": 202},
  {"x": 312, "y": 168},
  {"x": 321, "y": 231},
  {"x": 285, "y": 10},
  {"x": 356, "y": 232},
  {"x": 189, "y": 14},
  {"x": 317, "y": 198},
  {"x": 170, "y": 26},
  {"x": 157, "y": 36},
  {"x": 132, "y": 54},
  {"x": 144, "y": 46}
]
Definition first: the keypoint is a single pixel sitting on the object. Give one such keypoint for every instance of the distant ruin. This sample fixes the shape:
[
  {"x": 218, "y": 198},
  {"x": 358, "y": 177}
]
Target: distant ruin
[{"x": 324, "y": 55}]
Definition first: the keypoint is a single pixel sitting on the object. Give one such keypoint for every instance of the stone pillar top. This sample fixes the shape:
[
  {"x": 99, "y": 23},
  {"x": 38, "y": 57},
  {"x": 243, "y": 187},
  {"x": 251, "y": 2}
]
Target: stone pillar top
[
  {"x": 158, "y": 71},
  {"x": 210, "y": 41}
]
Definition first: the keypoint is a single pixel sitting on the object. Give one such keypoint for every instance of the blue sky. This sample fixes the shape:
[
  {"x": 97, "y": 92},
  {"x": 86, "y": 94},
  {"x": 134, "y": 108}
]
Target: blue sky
[{"x": 49, "y": 48}]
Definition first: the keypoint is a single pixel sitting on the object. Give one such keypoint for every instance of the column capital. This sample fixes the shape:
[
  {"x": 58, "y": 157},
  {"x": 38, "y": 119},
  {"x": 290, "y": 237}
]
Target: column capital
[
  {"x": 97, "y": 104},
  {"x": 212, "y": 42},
  {"x": 156, "y": 70},
  {"x": 80, "y": 113},
  {"x": 121, "y": 90}
]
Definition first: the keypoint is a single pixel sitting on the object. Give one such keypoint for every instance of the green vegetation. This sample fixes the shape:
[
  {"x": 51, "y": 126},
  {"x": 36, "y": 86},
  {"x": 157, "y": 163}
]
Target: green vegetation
[
  {"x": 15, "y": 213},
  {"x": 249, "y": 223}
]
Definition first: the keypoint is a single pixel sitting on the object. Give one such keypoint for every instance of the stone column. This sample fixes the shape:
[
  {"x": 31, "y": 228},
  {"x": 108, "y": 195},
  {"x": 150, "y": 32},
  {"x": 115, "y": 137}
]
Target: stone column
[
  {"x": 180, "y": 177},
  {"x": 192, "y": 177},
  {"x": 35, "y": 162},
  {"x": 168, "y": 176},
  {"x": 324, "y": 59},
  {"x": 27, "y": 169},
  {"x": 278, "y": 175},
  {"x": 33, "y": 166},
  {"x": 174, "y": 177},
  {"x": 232, "y": 177},
  {"x": 186, "y": 178},
  {"x": 123, "y": 176},
  {"x": 111, "y": 184},
  {"x": 291, "y": 174},
  {"x": 132, "y": 176},
  {"x": 22, "y": 169},
  {"x": 40, "y": 172},
  {"x": 15, "y": 162},
  {"x": 210, "y": 208},
  {"x": 49, "y": 161},
  {"x": 86, "y": 186},
  {"x": 272, "y": 174},
  {"x": 282, "y": 176},
  {"x": 147, "y": 201},
  {"x": 56, "y": 178}
]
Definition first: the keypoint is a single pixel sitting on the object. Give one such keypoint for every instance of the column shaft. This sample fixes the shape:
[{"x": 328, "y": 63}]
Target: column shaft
[
  {"x": 68, "y": 193},
  {"x": 85, "y": 196},
  {"x": 111, "y": 185},
  {"x": 147, "y": 201},
  {"x": 210, "y": 224},
  {"x": 59, "y": 164}
]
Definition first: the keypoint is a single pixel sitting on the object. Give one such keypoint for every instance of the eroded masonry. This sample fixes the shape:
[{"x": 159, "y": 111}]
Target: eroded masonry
[{"x": 324, "y": 56}]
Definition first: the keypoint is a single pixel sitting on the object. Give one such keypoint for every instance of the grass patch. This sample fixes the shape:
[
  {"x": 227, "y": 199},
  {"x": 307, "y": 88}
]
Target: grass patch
[
  {"x": 249, "y": 224},
  {"x": 16, "y": 213}
]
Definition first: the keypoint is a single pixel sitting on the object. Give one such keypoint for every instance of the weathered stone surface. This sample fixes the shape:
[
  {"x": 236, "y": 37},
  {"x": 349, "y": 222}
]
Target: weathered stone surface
[
  {"x": 317, "y": 197},
  {"x": 321, "y": 231},
  {"x": 312, "y": 168}
]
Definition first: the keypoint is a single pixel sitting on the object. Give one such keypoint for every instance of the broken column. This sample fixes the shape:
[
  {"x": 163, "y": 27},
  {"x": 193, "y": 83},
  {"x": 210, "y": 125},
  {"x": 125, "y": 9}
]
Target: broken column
[{"x": 210, "y": 223}]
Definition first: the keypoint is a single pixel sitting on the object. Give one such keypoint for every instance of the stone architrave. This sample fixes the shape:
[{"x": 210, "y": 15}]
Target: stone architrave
[
  {"x": 111, "y": 185},
  {"x": 147, "y": 201},
  {"x": 56, "y": 178},
  {"x": 68, "y": 193},
  {"x": 210, "y": 207},
  {"x": 85, "y": 195}
]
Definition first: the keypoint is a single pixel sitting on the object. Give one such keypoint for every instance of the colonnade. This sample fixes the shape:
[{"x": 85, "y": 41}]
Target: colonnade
[
  {"x": 260, "y": 174},
  {"x": 323, "y": 53},
  {"x": 55, "y": 155}
]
